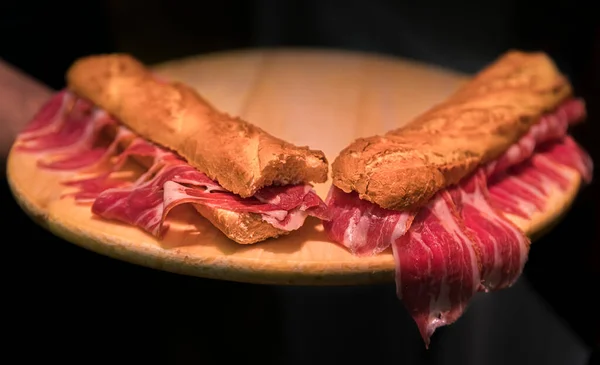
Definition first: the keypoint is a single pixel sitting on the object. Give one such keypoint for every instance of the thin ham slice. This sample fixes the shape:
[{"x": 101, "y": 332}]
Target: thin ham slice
[
  {"x": 146, "y": 203},
  {"x": 524, "y": 189},
  {"x": 568, "y": 153},
  {"x": 90, "y": 187},
  {"x": 434, "y": 248},
  {"x": 90, "y": 155},
  {"x": 551, "y": 127},
  {"x": 502, "y": 247},
  {"x": 364, "y": 228},
  {"x": 437, "y": 269},
  {"x": 69, "y": 132},
  {"x": 48, "y": 118},
  {"x": 73, "y": 133},
  {"x": 457, "y": 244},
  {"x": 72, "y": 139}
]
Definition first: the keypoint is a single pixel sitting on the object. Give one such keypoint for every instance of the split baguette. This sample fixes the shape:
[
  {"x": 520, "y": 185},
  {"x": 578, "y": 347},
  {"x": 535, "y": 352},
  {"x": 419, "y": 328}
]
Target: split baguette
[
  {"x": 240, "y": 156},
  {"x": 406, "y": 167}
]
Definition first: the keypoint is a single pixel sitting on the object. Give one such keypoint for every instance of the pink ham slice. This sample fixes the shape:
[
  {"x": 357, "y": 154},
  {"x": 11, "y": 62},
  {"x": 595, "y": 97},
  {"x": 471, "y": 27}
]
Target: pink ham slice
[
  {"x": 525, "y": 188},
  {"x": 434, "y": 278},
  {"x": 551, "y": 127},
  {"x": 91, "y": 187},
  {"x": 68, "y": 131},
  {"x": 89, "y": 155},
  {"x": 502, "y": 247},
  {"x": 458, "y": 244},
  {"x": 364, "y": 228},
  {"x": 146, "y": 203},
  {"x": 48, "y": 118},
  {"x": 437, "y": 269},
  {"x": 568, "y": 153},
  {"x": 71, "y": 134}
]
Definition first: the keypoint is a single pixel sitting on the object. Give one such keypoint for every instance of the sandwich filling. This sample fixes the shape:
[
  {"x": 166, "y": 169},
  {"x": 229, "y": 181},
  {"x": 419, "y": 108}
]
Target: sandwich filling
[
  {"x": 70, "y": 134},
  {"x": 461, "y": 241}
]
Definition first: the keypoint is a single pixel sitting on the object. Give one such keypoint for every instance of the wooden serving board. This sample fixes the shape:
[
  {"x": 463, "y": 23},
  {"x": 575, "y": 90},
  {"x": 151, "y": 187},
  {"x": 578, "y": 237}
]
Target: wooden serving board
[{"x": 324, "y": 99}]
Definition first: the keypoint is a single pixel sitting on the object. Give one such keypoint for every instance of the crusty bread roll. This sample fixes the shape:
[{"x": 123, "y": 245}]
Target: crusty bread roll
[
  {"x": 404, "y": 168},
  {"x": 240, "y": 156}
]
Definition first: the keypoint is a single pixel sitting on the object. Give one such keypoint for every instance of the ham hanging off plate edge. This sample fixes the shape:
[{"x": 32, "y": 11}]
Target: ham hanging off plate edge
[{"x": 461, "y": 242}]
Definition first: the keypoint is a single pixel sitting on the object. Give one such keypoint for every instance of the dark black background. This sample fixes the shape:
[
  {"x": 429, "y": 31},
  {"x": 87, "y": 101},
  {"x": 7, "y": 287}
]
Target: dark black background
[{"x": 67, "y": 304}]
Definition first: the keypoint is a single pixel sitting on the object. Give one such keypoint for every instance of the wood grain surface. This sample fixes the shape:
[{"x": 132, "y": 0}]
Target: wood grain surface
[{"x": 324, "y": 99}]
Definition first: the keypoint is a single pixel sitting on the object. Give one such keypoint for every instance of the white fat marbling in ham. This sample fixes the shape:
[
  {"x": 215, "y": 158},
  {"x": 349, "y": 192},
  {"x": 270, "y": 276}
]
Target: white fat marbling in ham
[
  {"x": 68, "y": 131},
  {"x": 502, "y": 247},
  {"x": 551, "y": 127},
  {"x": 567, "y": 152},
  {"x": 73, "y": 143},
  {"x": 147, "y": 204},
  {"x": 70, "y": 134},
  {"x": 523, "y": 190},
  {"x": 434, "y": 277},
  {"x": 437, "y": 271},
  {"x": 364, "y": 228},
  {"x": 49, "y": 118}
]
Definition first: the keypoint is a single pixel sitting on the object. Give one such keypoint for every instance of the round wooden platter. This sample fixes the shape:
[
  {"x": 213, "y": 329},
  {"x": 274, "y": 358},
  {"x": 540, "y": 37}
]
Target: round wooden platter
[{"x": 324, "y": 99}]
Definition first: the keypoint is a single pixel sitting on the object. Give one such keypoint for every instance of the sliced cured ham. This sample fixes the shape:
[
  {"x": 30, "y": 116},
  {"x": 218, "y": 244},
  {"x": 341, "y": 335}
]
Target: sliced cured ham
[
  {"x": 462, "y": 240},
  {"x": 551, "y": 127},
  {"x": 437, "y": 269},
  {"x": 67, "y": 132},
  {"x": 364, "y": 228},
  {"x": 524, "y": 189},
  {"x": 502, "y": 247},
  {"x": 74, "y": 135},
  {"x": 49, "y": 118},
  {"x": 89, "y": 155},
  {"x": 568, "y": 153},
  {"x": 147, "y": 202},
  {"x": 457, "y": 244}
]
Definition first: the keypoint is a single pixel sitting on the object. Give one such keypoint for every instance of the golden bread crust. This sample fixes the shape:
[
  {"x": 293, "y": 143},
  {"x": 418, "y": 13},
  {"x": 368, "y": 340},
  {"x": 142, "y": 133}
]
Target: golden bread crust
[
  {"x": 240, "y": 156},
  {"x": 243, "y": 228},
  {"x": 404, "y": 168}
]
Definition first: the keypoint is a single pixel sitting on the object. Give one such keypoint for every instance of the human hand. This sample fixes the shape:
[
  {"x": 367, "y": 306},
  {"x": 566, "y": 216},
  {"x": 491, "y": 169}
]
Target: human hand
[{"x": 20, "y": 98}]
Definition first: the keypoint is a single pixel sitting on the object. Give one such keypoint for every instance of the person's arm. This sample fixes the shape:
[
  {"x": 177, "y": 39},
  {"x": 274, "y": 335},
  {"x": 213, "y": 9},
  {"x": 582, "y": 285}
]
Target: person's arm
[{"x": 20, "y": 97}]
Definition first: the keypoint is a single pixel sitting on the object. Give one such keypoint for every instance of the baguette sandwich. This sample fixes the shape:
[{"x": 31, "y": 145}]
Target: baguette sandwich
[
  {"x": 246, "y": 182},
  {"x": 443, "y": 190}
]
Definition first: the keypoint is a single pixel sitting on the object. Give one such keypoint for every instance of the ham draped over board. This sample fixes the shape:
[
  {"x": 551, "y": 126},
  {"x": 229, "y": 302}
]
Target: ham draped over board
[
  {"x": 71, "y": 134},
  {"x": 461, "y": 242}
]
